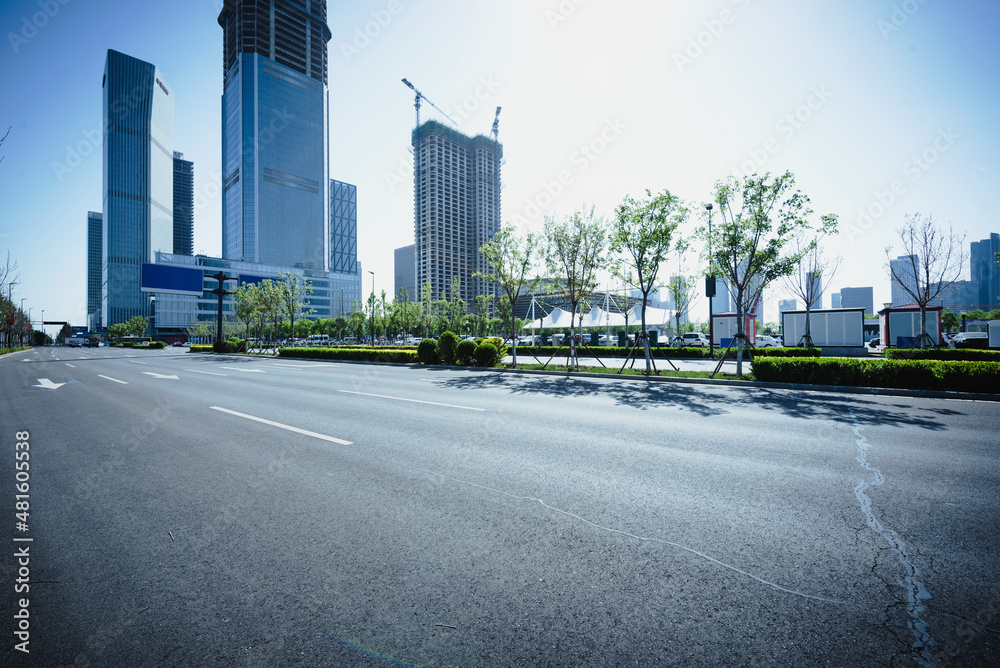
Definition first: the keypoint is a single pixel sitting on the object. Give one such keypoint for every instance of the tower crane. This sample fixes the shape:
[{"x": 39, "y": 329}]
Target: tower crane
[
  {"x": 495, "y": 132},
  {"x": 416, "y": 104}
]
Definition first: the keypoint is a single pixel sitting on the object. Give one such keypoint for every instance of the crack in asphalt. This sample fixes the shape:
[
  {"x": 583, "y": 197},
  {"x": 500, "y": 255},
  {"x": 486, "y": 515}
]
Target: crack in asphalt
[
  {"x": 916, "y": 592},
  {"x": 646, "y": 539}
]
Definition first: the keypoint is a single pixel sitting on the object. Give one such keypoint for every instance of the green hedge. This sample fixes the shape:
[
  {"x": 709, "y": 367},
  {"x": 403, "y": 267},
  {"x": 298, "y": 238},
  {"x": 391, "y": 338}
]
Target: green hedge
[
  {"x": 886, "y": 373},
  {"x": 4, "y": 351},
  {"x": 207, "y": 348},
  {"x": 352, "y": 354},
  {"x": 965, "y": 355},
  {"x": 786, "y": 352},
  {"x": 155, "y": 345}
]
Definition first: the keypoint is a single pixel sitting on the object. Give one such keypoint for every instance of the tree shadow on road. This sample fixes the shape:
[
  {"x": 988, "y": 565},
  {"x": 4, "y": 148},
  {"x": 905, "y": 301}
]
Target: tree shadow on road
[{"x": 709, "y": 401}]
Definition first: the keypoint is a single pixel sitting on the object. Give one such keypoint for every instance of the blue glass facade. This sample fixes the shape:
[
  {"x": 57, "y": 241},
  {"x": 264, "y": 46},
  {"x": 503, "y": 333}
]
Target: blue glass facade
[
  {"x": 275, "y": 160},
  {"x": 183, "y": 205},
  {"x": 137, "y": 181},
  {"x": 94, "y": 266},
  {"x": 343, "y": 227}
]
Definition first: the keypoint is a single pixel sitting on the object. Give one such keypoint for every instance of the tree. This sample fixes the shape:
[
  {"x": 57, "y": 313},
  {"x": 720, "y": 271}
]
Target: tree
[
  {"x": 271, "y": 306},
  {"x": 643, "y": 232},
  {"x": 115, "y": 331},
  {"x": 3, "y": 139},
  {"x": 806, "y": 281},
  {"x": 760, "y": 216},
  {"x": 66, "y": 331},
  {"x": 137, "y": 325},
  {"x": 510, "y": 259},
  {"x": 246, "y": 303},
  {"x": 292, "y": 291},
  {"x": 933, "y": 261},
  {"x": 683, "y": 290},
  {"x": 356, "y": 321},
  {"x": 574, "y": 251}
]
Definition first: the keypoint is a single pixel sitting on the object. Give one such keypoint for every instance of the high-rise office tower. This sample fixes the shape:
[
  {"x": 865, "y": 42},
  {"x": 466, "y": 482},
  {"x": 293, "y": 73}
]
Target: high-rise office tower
[
  {"x": 814, "y": 290},
  {"x": 904, "y": 267},
  {"x": 858, "y": 298},
  {"x": 835, "y": 300},
  {"x": 275, "y": 133},
  {"x": 456, "y": 209},
  {"x": 343, "y": 227},
  {"x": 985, "y": 271},
  {"x": 137, "y": 189},
  {"x": 183, "y": 205},
  {"x": 404, "y": 277},
  {"x": 94, "y": 267}
]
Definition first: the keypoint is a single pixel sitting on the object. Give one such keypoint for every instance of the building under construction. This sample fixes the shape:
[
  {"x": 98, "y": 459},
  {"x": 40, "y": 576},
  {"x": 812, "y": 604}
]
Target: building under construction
[{"x": 456, "y": 209}]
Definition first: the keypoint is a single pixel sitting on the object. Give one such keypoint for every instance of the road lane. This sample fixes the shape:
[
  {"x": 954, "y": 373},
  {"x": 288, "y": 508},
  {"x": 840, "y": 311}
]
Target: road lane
[{"x": 572, "y": 522}]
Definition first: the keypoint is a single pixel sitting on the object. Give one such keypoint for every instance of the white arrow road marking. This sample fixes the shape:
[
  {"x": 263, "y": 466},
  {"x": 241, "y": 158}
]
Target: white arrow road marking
[
  {"x": 208, "y": 373},
  {"x": 282, "y": 426},
  {"x": 47, "y": 384},
  {"x": 159, "y": 375}
]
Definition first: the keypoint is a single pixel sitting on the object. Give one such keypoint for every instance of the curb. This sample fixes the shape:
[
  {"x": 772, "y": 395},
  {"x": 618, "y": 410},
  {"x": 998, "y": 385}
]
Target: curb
[{"x": 838, "y": 389}]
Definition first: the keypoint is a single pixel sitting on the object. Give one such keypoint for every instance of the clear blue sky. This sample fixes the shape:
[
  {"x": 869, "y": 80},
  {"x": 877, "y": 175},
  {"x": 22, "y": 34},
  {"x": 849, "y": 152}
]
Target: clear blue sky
[{"x": 668, "y": 94}]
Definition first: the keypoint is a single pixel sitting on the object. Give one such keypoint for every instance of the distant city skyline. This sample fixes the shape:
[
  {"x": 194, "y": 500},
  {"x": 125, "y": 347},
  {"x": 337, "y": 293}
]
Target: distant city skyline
[{"x": 876, "y": 116}]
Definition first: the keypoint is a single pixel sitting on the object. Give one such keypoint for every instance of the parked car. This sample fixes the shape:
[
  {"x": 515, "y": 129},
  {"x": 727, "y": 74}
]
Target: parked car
[
  {"x": 764, "y": 341},
  {"x": 693, "y": 339},
  {"x": 875, "y": 343}
]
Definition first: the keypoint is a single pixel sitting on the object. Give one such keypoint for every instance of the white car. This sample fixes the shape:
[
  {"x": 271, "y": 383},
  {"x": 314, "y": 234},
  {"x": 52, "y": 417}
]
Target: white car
[
  {"x": 695, "y": 339},
  {"x": 764, "y": 341}
]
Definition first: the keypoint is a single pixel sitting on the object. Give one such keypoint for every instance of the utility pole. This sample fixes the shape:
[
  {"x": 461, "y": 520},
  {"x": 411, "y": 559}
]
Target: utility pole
[
  {"x": 221, "y": 291},
  {"x": 710, "y": 287}
]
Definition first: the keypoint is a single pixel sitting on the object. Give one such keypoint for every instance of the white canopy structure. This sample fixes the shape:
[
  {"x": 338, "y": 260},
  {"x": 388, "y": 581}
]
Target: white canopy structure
[{"x": 598, "y": 317}]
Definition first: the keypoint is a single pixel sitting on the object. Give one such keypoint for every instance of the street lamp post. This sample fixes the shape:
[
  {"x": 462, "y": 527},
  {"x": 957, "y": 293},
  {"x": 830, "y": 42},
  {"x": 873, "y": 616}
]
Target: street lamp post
[
  {"x": 43, "y": 327},
  {"x": 710, "y": 286},
  {"x": 221, "y": 292},
  {"x": 21, "y": 332},
  {"x": 373, "y": 306}
]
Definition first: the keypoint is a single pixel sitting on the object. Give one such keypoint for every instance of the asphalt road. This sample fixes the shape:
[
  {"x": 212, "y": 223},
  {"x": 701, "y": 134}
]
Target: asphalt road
[{"x": 195, "y": 510}]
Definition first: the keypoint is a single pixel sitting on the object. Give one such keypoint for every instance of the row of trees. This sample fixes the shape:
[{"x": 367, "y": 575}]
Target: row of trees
[{"x": 766, "y": 232}]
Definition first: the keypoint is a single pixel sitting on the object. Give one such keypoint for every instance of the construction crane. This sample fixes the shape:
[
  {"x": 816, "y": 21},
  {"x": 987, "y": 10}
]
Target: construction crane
[
  {"x": 495, "y": 132},
  {"x": 416, "y": 104}
]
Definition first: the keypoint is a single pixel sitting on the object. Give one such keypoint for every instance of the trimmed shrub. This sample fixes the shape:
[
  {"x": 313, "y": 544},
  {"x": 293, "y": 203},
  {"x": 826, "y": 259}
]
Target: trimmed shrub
[
  {"x": 127, "y": 344},
  {"x": 499, "y": 344},
  {"x": 787, "y": 352},
  {"x": 447, "y": 347},
  {"x": 486, "y": 354},
  {"x": 964, "y": 355},
  {"x": 887, "y": 373},
  {"x": 427, "y": 352},
  {"x": 352, "y": 354},
  {"x": 201, "y": 348},
  {"x": 465, "y": 354},
  {"x": 223, "y": 347}
]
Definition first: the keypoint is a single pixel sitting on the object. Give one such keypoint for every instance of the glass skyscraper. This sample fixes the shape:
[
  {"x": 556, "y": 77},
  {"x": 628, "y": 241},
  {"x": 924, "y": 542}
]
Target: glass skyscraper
[
  {"x": 94, "y": 268},
  {"x": 137, "y": 187},
  {"x": 183, "y": 205},
  {"x": 343, "y": 227},
  {"x": 275, "y": 134}
]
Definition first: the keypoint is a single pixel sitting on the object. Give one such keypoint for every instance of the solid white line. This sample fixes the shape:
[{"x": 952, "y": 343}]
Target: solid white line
[
  {"x": 415, "y": 401},
  {"x": 73, "y": 366},
  {"x": 209, "y": 373},
  {"x": 282, "y": 426},
  {"x": 114, "y": 379}
]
